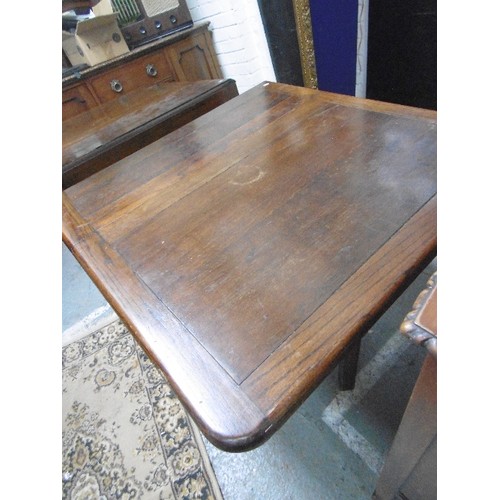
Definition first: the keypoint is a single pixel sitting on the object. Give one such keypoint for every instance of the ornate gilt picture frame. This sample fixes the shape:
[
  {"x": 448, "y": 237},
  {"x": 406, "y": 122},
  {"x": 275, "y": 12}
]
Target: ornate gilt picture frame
[{"x": 303, "y": 24}]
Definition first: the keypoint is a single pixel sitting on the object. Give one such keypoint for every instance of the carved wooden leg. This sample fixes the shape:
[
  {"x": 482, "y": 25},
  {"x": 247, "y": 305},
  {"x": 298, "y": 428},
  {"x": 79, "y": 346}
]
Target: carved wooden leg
[{"x": 348, "y": 366}]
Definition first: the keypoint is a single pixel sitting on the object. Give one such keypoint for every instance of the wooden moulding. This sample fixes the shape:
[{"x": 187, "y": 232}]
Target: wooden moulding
[{"x": 302, "y": 13}]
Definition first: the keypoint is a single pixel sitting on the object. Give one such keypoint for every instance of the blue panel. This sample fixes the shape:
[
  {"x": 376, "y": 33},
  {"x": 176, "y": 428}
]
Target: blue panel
[{"x": 334, "y": 27}]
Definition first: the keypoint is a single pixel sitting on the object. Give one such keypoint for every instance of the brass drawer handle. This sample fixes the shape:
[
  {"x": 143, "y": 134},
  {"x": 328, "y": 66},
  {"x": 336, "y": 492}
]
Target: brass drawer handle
[
  {"x": 116, "y": 85},
  {"x": 151, "y": 70}
]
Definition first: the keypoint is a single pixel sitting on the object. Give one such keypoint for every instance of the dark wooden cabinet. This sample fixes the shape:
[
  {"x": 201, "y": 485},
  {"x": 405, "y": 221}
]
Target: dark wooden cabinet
[{"x": 184, "y": 56}]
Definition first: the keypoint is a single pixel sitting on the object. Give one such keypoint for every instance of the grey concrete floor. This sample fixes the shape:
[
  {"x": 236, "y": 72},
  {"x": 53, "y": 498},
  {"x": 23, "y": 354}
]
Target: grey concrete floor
[{"x": 333, "y": 447}]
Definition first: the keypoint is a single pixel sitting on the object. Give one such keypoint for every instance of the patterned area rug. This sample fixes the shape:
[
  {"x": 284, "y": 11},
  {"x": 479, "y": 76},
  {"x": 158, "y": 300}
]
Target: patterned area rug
[{"x": 125, "y": 434}]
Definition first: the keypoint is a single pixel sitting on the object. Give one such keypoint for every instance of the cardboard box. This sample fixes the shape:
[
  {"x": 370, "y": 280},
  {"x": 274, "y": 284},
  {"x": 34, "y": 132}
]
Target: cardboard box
[
  {"x": 103, "y": 8},
  {"x": 95, "y": 40}
]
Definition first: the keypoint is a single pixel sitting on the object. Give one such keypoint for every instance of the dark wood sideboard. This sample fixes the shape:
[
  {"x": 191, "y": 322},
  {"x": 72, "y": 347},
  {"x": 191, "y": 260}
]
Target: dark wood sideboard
[
  {"x": 181, "y": 57},
  {"x": 103, "y": 135}
]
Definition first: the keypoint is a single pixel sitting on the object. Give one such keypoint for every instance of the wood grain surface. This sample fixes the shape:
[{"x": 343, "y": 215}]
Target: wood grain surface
[{"x": 249, "y": 248}]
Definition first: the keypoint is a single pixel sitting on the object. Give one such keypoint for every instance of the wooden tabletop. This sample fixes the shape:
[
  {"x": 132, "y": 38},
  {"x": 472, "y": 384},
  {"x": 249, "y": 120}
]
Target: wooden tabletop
[{"x": 247, "y": 249}]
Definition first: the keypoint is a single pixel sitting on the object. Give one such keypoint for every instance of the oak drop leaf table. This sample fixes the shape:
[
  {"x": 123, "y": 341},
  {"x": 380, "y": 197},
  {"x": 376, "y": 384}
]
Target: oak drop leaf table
[{"x": 249, "y": 249}]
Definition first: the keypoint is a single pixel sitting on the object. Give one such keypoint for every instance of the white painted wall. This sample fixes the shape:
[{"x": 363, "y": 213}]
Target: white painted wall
[{"x": 239, "y": 39}]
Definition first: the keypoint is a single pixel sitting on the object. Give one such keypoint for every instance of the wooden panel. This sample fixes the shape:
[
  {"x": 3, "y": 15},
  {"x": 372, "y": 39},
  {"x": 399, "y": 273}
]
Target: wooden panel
[
  {"x": 193, "y": 59},
  {"x": 132, "y": 76},
  {"x": 427, "y": 319},
  {"x": 253, "y": 256},
  {"x": 76, "y": 100}
]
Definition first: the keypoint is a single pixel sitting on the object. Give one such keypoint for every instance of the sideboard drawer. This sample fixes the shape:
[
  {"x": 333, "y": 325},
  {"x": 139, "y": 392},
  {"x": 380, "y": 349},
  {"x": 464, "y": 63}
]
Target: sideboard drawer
[
  {"x": 76, "y": 100},
  {"x": 141, "y": 72},
  {"x": 184, "y": 56}
]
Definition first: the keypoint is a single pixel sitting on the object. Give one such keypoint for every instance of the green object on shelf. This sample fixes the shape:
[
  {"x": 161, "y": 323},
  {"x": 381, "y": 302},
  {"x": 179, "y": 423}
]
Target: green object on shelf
[{"x": 128, "y": 11}]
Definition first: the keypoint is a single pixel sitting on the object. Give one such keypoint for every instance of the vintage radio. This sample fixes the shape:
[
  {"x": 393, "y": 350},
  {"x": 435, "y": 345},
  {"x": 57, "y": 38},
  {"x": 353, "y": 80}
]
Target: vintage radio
[{"x": 144, "y": 20}]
